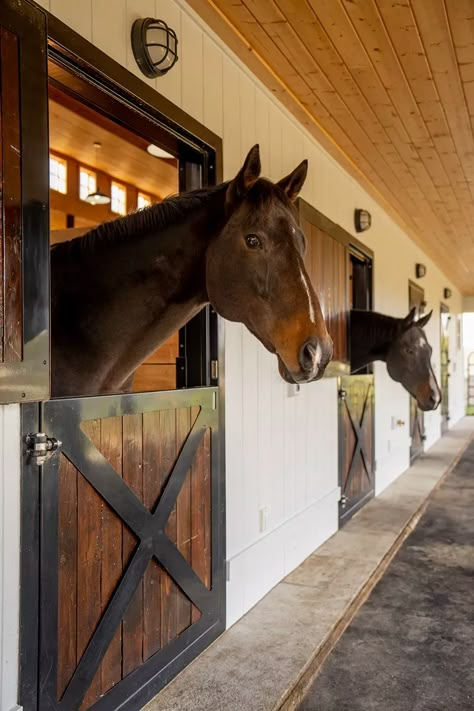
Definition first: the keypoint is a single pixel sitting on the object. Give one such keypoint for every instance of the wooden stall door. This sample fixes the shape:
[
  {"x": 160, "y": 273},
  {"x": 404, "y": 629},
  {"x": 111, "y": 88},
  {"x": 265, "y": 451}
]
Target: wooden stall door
[
  {"x": 132, "y": 560},
  {"x": 356, "y": 443},
  {"x": 326, "y": 262},
  {"x": 416, "y": 298},
  {"x": 445, "y": 361},
  {"x": 24, "y": 243}
]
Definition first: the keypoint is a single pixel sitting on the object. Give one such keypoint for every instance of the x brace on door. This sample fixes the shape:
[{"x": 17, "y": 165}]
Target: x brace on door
[
  {"x": 360, "y": 450},
  {"x": 147, "y": 526}
]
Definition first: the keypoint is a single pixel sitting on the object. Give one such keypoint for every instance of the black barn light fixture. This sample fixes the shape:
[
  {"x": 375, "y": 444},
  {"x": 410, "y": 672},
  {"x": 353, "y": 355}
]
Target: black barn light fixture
[
  {"x": 155, "y": 46},
  {"x": 362, "y": 220},
  {"x": 420, "y": 271},
  {"x": 447, "y": 293},
  {"x": 97, "y": 198}
]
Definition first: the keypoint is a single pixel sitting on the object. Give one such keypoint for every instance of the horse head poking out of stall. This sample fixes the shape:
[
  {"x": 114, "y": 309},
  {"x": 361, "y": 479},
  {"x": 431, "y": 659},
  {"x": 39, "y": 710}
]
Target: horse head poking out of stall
[
  {"x": 402, "y": 344},
  {"x": 122, "y": 289}
]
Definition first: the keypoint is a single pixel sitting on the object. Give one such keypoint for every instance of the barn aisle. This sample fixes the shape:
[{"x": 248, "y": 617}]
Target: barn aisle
[
  {"x": 411, "y": 646},
  {"x": 267, "y": 660}
]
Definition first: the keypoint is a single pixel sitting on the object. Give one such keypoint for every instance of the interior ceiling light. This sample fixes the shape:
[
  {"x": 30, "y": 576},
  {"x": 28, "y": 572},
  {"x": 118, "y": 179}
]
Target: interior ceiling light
[
  {"x": 97, "y": 197},
  {"x": 158, "y": 152}
]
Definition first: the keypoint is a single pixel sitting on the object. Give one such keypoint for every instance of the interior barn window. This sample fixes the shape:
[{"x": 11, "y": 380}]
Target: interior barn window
[
  {"x": 143, "y": 201},
  {"x": 119, "y": 199},
  {"x": 87, "y": 183},
  {"x": 58, "y": 174}
]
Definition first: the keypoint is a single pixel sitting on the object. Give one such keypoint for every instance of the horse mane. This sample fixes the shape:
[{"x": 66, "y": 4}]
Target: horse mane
[
  {"x": 379, "y": 328},
  {"x": 154, "y": 218}
]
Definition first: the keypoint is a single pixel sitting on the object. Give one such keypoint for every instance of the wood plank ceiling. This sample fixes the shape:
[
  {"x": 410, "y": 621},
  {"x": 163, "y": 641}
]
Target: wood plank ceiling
[{"x": 387, "y": 86}]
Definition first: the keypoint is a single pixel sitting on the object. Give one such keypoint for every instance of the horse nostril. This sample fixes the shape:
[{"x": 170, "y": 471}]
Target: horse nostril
[{"x": 310, "y": 356}]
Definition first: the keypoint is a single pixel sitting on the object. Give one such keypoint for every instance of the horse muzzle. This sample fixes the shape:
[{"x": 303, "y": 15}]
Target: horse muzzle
[
  {"x": 428, "y": 399},
  {"x": 313, "y": 357}
]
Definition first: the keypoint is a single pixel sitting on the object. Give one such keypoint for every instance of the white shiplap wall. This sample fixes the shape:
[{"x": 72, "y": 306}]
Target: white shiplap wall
[
  {"x": 9, "y": 553},
  {"x": 281, "y": 450}
]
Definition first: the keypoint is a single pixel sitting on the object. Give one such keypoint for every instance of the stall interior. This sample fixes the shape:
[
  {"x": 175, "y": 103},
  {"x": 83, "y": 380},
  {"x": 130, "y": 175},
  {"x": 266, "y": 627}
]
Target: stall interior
[{"x": 99, "y": 171}]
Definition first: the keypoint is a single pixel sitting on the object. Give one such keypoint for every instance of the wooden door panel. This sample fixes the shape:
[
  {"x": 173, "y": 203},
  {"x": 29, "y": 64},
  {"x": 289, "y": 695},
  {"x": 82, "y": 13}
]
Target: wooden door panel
[
  {"x": 356, "y": 443},
  {"x": 326, "y": 262},
  {"x": 139, "y": 573}
]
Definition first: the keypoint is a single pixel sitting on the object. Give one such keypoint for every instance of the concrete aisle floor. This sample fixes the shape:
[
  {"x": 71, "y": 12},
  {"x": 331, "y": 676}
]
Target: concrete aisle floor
[
  {"x": 411, "y": 646},
  {"x": 270, "y": 656}
]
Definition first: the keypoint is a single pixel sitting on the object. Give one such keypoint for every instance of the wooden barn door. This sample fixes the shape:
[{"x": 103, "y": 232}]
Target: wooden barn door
[
  {"x": 131, "y": 545},
  {"x": 24, "y": 238},
  {"x": 340, "y": 268},
  {"x": 416, "y": 299},
  {"x": 356, "y": 443}
]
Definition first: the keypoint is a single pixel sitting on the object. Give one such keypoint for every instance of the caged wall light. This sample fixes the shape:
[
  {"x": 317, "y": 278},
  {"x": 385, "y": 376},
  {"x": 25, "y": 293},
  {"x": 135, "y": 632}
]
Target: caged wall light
[
  {"x": 420, "y": 271},
  {"x": 362, "y": 220},
  {"x": 155, "y": 46}
]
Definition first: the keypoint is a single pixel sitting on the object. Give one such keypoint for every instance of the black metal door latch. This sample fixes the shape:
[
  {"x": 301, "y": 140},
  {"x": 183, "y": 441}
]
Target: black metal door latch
[{"x": 40, "y": 447}]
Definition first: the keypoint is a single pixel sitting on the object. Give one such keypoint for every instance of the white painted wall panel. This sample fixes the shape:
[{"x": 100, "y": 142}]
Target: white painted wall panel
[
  {"x": 9, "y": 553},
  {"x": 192, "y": 68},
  {"x": 170, "y": 85},
  {"x": 77, "y": 15}
]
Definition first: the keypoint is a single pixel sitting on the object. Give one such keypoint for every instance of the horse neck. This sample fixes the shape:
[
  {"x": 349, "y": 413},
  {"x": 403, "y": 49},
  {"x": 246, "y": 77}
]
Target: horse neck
[
  {"x": 130, "y": 297},
  {"x": 371, "y": 337}
]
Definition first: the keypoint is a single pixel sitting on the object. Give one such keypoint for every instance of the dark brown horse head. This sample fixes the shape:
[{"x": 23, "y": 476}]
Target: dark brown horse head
[
  {"x": 409, "y": 362},
  {"x": 256, "y": 275}
]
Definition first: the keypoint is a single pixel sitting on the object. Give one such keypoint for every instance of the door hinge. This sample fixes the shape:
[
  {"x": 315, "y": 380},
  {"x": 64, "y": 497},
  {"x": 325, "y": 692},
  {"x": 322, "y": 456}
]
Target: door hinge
[
  {"x": 342, "y": 394},
  {"x": 40, "y": 447},
  {"x": 343, "y": 501},
  {"x": 214, "y": 369}
]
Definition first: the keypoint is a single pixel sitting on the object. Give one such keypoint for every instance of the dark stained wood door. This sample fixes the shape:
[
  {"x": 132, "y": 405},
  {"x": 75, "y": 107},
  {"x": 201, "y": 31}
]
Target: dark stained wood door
[
  {"x": 326, "y": 262},
  {"x": 24, "y": 238},
  {"x": 131, "y": 540},
  {"x": 416, "y": 299},
  {"x": 445, "y": 362},
  {"x": 356, "y": 443}
]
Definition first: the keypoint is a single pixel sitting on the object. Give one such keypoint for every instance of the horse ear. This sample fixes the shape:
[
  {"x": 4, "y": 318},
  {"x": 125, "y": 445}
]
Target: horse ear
[
  {"x": 408, "y": 320},
  {"x": 293, "y": 182},
  {"x": 424, "y": 320},
  {"x": 246, "y": 177}
]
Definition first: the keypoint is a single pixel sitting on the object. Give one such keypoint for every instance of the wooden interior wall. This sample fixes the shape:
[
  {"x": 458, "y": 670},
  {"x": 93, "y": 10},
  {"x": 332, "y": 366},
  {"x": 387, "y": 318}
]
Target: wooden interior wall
[
  {"x": 11, "y": 306},
  {"x": 86, "y": 215},
  {"x": 326, "y": 262},
  {"x": 95, "y": 546}
]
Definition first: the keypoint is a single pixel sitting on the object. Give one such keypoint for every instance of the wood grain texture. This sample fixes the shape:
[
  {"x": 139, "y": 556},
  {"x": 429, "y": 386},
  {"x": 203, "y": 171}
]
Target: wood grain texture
[
  {"x": 387, "y": 88},
  {"x": 326, "y": 262},
  {"x": 95, "y": 546}
]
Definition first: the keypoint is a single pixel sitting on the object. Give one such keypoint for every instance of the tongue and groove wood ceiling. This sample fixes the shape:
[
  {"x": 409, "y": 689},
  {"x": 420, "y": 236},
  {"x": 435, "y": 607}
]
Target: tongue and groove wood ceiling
[{"x": 388, "y": 88}]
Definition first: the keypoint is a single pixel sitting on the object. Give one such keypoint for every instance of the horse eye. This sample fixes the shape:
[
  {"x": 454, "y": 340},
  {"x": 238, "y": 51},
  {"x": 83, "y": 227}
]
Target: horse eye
[
  {"x": 253, "y": 242},
  {"x": 409, "y": 351}
]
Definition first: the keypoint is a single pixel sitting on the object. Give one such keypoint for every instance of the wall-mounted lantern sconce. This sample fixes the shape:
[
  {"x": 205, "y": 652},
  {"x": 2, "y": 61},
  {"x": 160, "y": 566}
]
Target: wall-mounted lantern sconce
[
  {"x": 155, "y": 46},
  {"x": 362, "y": 220},
  {"x": 420, "y": 271},
  {"x": 423, "y": 306},
  {"x": 447, "y": 293}
]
